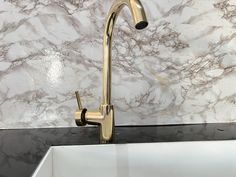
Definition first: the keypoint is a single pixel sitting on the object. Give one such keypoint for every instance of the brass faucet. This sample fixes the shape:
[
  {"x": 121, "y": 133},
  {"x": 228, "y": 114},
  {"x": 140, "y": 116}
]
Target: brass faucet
[{"x": 104, "y": 117}]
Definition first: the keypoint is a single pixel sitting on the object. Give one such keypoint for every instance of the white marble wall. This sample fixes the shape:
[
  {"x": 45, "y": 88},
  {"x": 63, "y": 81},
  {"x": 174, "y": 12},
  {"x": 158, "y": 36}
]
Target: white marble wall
[{"x": 181, "y": 69}]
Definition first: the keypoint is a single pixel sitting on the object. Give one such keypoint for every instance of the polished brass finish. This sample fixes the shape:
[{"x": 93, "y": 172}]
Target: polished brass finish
[
  {"x": 78, "y": 100},
  {"x": 104, "y": 117},
  {"x": 140, "y": 21}
]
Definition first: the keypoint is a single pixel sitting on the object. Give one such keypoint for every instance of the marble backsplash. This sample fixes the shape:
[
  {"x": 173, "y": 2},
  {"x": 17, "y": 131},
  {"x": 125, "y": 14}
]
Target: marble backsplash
[{"x": 181, "y": 69}]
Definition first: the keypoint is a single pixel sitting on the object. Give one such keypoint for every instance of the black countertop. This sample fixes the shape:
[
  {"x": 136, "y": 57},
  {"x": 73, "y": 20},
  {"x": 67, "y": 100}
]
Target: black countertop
[{"x": 22, "y": 149}]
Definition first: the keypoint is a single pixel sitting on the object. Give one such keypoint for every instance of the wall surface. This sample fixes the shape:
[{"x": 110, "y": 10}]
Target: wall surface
[{"x": 181, "y": 69}]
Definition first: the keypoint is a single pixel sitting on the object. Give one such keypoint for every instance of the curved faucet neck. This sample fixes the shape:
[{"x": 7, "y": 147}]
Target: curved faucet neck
[{"x": 140, "y": 20}]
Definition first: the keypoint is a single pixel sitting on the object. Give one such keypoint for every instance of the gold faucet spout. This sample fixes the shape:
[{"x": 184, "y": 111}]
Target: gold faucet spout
[
  {"x": 140, "y": 20},
  {"x": 104, "y": 117}
]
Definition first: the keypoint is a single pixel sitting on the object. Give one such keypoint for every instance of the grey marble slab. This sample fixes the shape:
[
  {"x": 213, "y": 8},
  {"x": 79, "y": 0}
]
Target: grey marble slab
[
  {"x": 179, "y": 70},
  {"x": 22, "y": 149}
]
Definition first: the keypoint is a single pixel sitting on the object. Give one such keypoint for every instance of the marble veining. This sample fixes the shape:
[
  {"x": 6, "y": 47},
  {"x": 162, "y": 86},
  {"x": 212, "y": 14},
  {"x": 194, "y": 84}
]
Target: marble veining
[{"x": 181, "y": 69}]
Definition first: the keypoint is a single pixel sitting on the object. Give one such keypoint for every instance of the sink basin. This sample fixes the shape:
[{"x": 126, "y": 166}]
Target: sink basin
[{"x": 173, "y": 159}]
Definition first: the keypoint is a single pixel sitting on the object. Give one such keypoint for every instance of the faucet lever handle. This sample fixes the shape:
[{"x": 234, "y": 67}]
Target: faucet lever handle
[{"x": 78, "y": 100}]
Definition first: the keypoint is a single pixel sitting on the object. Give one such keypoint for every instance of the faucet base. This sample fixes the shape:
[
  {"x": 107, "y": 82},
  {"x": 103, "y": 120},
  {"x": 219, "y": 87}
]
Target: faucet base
[{"x": 104, "y": 118}]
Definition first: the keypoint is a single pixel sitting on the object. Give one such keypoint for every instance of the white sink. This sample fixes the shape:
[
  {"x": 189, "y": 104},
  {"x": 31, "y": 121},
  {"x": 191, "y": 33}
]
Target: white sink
[{"x": 174, "y": 159}]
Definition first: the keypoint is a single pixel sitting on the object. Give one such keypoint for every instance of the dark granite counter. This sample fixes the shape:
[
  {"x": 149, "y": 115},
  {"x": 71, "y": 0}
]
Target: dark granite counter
[{"x": 22, "y": 149}]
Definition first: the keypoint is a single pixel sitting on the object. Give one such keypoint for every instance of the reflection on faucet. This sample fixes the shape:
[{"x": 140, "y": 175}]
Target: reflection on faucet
[{"x": 104, "y": 117}]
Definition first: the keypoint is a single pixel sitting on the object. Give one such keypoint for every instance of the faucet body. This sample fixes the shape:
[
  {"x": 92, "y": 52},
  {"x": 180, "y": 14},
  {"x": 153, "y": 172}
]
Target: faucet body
[{"x": 104, "y": 117}]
